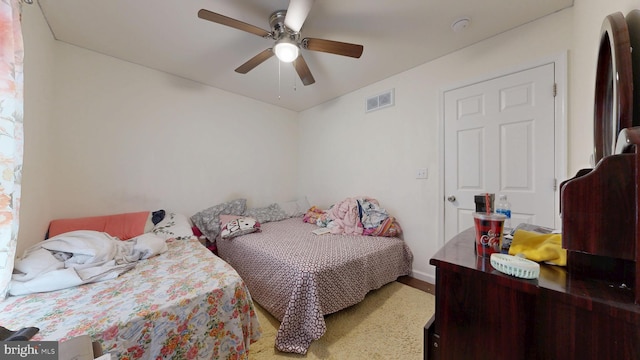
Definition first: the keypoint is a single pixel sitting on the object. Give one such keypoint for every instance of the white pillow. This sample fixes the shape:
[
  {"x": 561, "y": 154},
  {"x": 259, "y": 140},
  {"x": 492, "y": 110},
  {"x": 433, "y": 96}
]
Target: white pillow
[
  {"x": 174, "y": 226},
  {"x": 290, "y": 208},
  {"x": 295, "y": 208},
  {"x": 303, "y": 205}
]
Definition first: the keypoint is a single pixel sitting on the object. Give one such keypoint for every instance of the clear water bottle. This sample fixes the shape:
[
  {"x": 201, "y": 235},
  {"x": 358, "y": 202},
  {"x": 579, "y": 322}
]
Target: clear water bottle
[{"x": 504, "y": 208}]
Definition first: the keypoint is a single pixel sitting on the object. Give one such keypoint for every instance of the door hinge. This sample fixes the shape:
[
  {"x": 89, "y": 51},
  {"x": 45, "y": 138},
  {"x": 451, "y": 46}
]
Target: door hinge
[
  {"x": 555, "y": 184},
  {"x": 555, "y": 89}
]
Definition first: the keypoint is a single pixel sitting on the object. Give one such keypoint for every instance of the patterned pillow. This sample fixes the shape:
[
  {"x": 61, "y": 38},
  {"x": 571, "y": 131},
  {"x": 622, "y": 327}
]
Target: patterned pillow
[
  {"x": 240, "y": 226},
  {"x": 224, "y": 218},
  {"x": 173, "y": 226},
  {"x": 263, "y": 215},
  {"x": 208, "y": 220}
]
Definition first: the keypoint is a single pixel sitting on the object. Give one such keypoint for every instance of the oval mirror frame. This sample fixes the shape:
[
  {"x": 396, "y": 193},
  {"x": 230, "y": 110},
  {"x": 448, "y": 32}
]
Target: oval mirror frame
[{"x": 614, "y": 85}]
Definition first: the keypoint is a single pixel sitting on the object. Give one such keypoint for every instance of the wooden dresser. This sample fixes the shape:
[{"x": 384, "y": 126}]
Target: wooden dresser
[{"x": 484, "y": 314}]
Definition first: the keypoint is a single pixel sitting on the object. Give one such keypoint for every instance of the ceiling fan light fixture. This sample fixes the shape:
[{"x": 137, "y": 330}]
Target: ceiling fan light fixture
[{"x": 286, "y": 50}]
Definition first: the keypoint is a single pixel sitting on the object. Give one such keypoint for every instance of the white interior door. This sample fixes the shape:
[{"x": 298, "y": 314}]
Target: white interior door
[{"x": 499, "y": 137}]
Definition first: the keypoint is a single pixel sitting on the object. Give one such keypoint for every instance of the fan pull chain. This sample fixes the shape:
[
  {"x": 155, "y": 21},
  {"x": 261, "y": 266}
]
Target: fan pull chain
[
  {"x": 278, "y": 79},
  {"x": 295, "y": 84}
]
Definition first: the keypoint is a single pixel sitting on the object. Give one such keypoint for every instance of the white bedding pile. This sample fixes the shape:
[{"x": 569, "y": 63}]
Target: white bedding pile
[{"x": 80, "y": 257}]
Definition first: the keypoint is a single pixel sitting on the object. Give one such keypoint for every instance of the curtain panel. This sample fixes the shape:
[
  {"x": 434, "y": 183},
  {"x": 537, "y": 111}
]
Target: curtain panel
[{"x": 11, "y": 134}]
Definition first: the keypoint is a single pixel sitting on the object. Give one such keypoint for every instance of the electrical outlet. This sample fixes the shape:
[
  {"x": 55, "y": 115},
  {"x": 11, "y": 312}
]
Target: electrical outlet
[{"x": 422, "y": 173}]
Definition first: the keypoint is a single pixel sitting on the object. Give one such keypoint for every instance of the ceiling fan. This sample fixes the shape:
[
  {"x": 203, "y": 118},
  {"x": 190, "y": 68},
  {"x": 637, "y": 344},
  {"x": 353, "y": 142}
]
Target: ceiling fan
[{"x": 285, "y": 31}]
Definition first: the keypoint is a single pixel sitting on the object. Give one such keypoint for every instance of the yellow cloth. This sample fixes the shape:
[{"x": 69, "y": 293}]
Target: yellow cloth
[{"x": 539, "y": 247}]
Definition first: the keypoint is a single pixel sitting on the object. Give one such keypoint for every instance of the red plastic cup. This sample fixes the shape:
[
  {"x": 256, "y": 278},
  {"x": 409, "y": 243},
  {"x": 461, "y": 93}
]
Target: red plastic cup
[{"x": 489, "y": 229}]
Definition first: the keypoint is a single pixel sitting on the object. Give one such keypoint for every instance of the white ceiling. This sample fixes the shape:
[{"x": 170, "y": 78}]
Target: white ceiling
[{"x": 167, "y": 35}]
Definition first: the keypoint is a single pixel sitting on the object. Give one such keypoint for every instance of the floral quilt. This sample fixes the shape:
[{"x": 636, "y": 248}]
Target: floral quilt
[{"x": 183, "y": 304}]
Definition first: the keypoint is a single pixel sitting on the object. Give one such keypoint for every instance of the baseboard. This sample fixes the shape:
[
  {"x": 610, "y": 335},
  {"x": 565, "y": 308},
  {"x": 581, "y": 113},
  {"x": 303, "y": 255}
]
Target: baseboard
[
  {"x": 418, "y": 284},
  {"x": 424, "y": 276}
]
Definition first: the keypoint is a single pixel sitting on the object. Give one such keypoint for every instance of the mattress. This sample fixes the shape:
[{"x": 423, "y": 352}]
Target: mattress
[
  {"x": 299, "y": 277},
  {"x": 184, "y": 303}
]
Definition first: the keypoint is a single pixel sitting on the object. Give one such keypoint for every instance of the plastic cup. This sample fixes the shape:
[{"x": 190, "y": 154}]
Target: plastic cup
[{"x": 489, "y": 229}]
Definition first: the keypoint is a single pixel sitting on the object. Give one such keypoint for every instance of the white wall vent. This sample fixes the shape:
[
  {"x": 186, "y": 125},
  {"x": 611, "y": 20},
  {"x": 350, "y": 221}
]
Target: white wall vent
[{"x": 380, "y": 101}]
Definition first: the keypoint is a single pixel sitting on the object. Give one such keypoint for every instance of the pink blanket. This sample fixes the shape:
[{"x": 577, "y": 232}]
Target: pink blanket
[{"x": 346, "y": 217}]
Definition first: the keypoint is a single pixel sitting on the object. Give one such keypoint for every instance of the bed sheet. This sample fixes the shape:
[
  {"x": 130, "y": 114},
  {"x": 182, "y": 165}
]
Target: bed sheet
[
  {"x": 299, "y": 277},
  {"x": 183, "y": 304}
]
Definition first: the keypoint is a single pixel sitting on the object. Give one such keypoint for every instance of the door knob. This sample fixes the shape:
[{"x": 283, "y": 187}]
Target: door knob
[{"x": 451, "y": 198}]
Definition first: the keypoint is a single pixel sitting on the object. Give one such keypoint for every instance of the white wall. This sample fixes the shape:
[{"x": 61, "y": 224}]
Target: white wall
[
  {"x": 36, "y": 205},
  {"x": 128, "y": 138},
  {"x": 121, "y": 137}
]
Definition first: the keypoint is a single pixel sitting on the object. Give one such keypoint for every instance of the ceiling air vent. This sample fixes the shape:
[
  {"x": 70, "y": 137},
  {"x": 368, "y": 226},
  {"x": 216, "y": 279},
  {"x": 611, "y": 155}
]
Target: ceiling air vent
[{"x": 380, "y": 101}]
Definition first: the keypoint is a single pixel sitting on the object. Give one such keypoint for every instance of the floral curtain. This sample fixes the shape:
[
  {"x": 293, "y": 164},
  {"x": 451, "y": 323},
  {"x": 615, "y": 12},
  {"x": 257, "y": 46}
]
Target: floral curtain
[{"x": 11, "y": 134}]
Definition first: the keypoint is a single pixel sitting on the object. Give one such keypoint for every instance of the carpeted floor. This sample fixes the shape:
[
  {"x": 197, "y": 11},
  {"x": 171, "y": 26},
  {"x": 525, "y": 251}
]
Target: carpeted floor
[{"x": 387, "y": 324}]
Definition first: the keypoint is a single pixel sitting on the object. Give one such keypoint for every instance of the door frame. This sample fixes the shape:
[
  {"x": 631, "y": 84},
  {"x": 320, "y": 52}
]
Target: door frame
[{"x": 560, "y": 114}]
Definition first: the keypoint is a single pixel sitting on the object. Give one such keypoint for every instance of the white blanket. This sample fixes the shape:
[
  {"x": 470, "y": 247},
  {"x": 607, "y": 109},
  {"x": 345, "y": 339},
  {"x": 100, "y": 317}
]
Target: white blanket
[{"x": 79, "y": 257}]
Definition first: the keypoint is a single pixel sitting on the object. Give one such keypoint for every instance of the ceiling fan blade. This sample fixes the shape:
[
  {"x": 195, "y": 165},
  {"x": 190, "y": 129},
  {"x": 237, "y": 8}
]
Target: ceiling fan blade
[
  {"x": 237, "y": 24},
  {"x": 303, "y": 71},
  {"x": 297, "y": 14},
  {"x": 255, "y": 61},
  {"x": 333, "y": 47}
]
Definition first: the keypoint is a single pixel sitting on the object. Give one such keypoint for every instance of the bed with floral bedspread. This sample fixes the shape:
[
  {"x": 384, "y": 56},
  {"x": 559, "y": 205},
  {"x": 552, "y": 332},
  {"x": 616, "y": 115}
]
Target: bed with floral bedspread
[{"x": 183, "y": 304}]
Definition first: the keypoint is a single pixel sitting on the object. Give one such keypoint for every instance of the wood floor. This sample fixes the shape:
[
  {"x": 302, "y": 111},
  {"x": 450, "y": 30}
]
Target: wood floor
[{"x": 418, "y": 284}]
